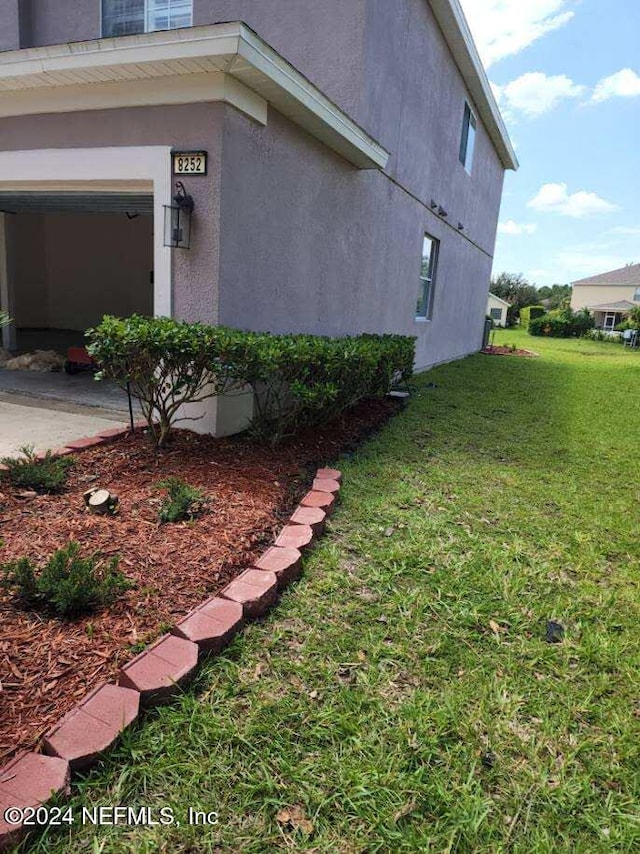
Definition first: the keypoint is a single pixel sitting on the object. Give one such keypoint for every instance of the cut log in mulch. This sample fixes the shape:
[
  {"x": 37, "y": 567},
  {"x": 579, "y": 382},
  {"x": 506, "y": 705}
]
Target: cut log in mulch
[
  {"x": 47, "y": 664},
  {"x": 500, "y": 350}
]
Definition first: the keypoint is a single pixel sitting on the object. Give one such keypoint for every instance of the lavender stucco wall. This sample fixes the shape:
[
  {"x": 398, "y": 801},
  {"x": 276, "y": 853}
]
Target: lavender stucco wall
[
  {"x": 59, "y": 21},
  {"x": 190, "y": 127},
  {"x": 308, "y": 243},
  {"x": 9, "y": 25},
  {"x": 324, "y": 39},
  {"x": 414, "y": 105}
]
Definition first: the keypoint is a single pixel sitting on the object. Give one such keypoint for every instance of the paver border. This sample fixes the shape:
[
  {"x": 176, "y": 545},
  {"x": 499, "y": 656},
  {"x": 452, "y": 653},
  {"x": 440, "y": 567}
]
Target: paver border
[{"x": 18, "y": 770}]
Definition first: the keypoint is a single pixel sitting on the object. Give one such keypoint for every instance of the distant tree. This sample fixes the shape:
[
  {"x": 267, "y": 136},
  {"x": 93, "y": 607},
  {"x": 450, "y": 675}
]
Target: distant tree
[
  {"x": 559, "y": 296},
  {"x": 516, "y": 290}
]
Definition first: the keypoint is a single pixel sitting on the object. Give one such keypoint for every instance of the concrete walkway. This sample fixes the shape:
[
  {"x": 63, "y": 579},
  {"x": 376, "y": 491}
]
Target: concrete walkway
[{"x": 26, "y": 420}]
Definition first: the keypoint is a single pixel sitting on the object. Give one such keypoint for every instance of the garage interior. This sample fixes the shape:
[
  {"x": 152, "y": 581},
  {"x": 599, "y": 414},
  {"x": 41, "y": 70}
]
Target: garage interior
[{"x": 71, "y": 258}]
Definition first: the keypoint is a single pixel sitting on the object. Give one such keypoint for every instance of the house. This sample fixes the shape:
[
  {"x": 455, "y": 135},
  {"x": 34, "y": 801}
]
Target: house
[
  {"x": 315, "y": 166},
  {"x": 608, "y": 296},
  {"x": 497, "y": 310}
]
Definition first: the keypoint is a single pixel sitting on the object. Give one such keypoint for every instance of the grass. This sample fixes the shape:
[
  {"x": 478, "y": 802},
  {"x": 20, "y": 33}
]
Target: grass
[{"x": 402, "y": 697}]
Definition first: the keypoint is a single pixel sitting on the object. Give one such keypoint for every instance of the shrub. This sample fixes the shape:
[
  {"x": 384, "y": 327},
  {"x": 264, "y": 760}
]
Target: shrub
[
  {"x": 296, "y": 379},
  {"x": 303, "y": 380},
  {"x": 600, "y": 335},
  {"x": 46, "y": 474},
  {"x": 5, "y": 320},
  {"x": 562, "y": 323},
  {"x": 68, "y": 584},
  {"x": 182, "y": 502},
  {"x": 166, "y": 363},
  {"x": 530, "y": 313}
]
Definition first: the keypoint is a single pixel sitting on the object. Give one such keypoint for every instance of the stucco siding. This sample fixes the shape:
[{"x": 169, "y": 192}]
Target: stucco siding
[
  {"x": 189, "y": 127},
  {"x": 414, "y": 99},
  {"x": 584, "y": 296},
  {"x": 324, "y": 39},
  {"x": 9, "y": 25},
  {"x": 56, "y": 22},
  {"x": 311, "y": 244}
]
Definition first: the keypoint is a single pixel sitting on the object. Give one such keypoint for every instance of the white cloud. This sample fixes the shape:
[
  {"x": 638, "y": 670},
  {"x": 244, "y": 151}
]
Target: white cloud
[
  {"x": 535, "y": 94},
  {"x": 515, "y": 228},
  {"x": 625, "y": 230},
  {"x": 622, "y": 84},
  {"x": 577, "y": 263},
  {"x": 505, "y": 27},
  {"x": 554, "y": 198}
]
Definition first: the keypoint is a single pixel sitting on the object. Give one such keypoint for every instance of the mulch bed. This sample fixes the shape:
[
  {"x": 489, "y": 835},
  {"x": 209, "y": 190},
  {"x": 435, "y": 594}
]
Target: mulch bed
[
  {"x": 47, "y": 664},
  {"x": 495, "y": 350}
]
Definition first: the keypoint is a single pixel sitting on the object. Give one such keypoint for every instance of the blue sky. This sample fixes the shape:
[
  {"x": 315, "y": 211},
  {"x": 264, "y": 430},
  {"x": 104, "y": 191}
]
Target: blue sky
[{"x": 567, "y": 78}]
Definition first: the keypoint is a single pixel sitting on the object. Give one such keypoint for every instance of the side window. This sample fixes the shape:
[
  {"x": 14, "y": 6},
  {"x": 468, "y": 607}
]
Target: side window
[
  {"x": 424, "y": 309},
  {"x": 122, "y": 17},
  {"x": 125, "y": 17},
  {"x": 636, "y": 295},
  {"x": 468, "y": 140},
  {"x": 496, "y": 313}
]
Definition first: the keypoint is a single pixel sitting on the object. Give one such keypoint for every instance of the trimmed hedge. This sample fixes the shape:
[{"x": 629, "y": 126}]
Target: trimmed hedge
[
  {"x": 562, "y": 323},
  {"x": 529, "y": 313},
  {"x": 297, "y": 380}
]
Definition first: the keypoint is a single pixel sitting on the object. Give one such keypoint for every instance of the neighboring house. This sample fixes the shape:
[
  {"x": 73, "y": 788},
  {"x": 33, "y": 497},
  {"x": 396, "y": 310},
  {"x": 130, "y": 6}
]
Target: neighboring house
[
  {"x": 497, "y": 310},
  {"x": 355, "y": 159},
  {"x": 608, "y": 296}
]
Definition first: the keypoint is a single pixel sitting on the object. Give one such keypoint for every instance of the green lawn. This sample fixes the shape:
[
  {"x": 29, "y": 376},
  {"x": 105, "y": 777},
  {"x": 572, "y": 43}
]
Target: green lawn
[{"x": 402, "y": 695}]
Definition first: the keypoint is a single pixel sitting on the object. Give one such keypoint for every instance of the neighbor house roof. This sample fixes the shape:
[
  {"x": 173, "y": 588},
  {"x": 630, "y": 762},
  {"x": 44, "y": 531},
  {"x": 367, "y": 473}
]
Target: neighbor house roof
[
  {"x": 221, "y": 62},
  {"x": 455, "y": 29},
  {"x": 629, "y": 275},
  {"x": 621, "y": 305},
  {"x": 499, "y": 299}
]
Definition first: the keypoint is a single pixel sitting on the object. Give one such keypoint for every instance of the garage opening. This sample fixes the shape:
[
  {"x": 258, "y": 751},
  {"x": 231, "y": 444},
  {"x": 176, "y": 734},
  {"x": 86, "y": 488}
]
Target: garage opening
[{"x": 71, "y": 258}]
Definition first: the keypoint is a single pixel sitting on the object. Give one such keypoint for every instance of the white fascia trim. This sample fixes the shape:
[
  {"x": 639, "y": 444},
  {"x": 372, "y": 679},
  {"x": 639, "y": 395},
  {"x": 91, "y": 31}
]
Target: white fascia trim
[
  {"x": 254, "y": 72},
  {"x": 147, "y": 92},
  {"x": 94, "y": 169},
  {"x": 499, "y": 299},
  {"x": 458, "y": 36}
]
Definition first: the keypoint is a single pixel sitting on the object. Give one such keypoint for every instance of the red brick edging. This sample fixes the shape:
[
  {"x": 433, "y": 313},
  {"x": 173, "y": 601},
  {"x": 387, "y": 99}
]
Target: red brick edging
[{"x": 31, "y": 779}]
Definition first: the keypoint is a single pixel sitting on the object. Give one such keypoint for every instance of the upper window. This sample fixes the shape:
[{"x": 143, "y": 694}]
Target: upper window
[
  {"x": 468, "y": 140},
  {"x": 124, "y": 17},
  {"x": 424, "y": 308},
  {"x": 636, "y": 295}
]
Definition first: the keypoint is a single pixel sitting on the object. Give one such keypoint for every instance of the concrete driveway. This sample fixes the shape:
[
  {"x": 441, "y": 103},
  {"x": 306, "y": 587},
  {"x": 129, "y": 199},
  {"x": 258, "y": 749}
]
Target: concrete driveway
[{"x": 47, "y": 424}]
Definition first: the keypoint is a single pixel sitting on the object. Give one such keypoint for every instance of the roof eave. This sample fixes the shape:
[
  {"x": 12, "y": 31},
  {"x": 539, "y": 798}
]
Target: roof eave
[
  {"x": 458, "y": 36},
  {"x": 235, "y": 50}
]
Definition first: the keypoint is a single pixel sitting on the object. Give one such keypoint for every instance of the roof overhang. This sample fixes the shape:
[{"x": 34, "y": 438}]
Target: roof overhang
[
  {"x": 620, "y": 306},
  {"x": 499, "y": 299},
  {"x": 458, "y": 36},
  {"x": 222, "y": 62}
]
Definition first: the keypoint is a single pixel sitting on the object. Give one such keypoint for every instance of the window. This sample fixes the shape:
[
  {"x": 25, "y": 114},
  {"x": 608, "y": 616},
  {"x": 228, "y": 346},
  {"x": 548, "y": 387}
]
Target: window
[
  {"x": 424, "y": 309},
  {"x": 468, "y": 141},
  {"x": 636, "y": 295},
  {"x": 124, "y": 17},
  {"x": 496, "y": 313}
]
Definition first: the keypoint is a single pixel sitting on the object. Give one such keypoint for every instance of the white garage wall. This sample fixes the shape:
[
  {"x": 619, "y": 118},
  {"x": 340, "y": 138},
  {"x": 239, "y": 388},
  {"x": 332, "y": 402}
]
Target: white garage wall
[{"x": 69, "y": 270}]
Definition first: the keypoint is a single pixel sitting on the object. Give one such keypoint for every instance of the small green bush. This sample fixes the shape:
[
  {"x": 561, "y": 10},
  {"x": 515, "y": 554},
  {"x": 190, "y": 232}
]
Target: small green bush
[
  {"x": 600, "y": 335},
  {"x": 562, "y": 323},
  {"x": 529, "y": 313},
  {"x": 68, "y": 584},
  {"x": 46, "y": 475},
  {"x": 183, "y": 502}
]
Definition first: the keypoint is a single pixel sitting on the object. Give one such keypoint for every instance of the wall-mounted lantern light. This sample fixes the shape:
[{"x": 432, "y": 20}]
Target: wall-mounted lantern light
[{"x": 177, "y": 219}]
